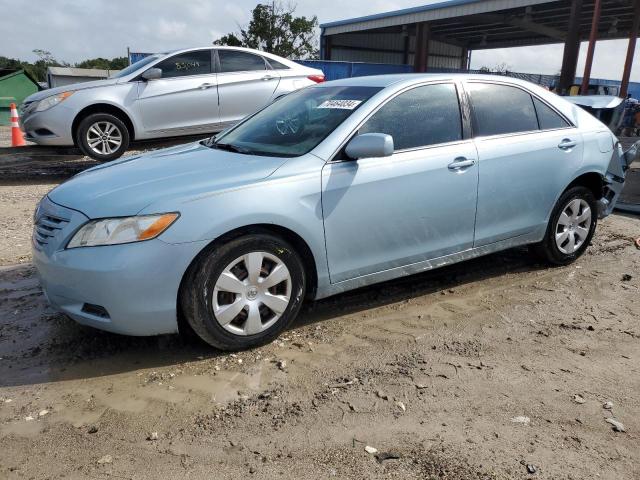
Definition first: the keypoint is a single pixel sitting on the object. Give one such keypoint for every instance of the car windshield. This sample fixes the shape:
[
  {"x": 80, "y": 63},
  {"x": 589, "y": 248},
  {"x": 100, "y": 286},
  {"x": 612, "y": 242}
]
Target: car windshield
[
  {"x": 295, "y": 124},
  {"x": 135, "y": 66}
]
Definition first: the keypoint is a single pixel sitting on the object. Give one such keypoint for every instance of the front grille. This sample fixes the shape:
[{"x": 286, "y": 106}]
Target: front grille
[{"x": 46, "y": 227}]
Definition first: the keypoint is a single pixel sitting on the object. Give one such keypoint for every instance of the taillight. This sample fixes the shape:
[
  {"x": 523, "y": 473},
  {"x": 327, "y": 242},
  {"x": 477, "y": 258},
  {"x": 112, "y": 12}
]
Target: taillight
[{"x": 316, "y": 78}]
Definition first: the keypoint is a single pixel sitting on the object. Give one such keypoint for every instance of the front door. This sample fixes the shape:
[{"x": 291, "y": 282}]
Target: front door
[
  {"x": 418, "y": 204},
  {"x": 185, "y": 99},
  {"x": 245, "y": 84}
]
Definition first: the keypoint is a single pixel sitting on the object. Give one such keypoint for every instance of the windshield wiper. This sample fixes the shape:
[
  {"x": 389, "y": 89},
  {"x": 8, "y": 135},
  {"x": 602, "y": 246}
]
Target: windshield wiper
[{"x": 229, "y": 147}]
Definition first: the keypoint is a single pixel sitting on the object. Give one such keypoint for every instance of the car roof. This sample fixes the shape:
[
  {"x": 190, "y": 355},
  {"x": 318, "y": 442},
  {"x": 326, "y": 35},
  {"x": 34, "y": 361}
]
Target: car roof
[
  {"x": 225, "y": 47},
  {"x": 398, "y": 79}
]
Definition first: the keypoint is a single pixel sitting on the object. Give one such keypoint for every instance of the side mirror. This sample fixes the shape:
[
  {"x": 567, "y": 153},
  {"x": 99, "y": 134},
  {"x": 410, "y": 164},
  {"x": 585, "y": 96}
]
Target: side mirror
[
  {"x": 370, "y": 145},
  {"x": 152, "y": 74}
]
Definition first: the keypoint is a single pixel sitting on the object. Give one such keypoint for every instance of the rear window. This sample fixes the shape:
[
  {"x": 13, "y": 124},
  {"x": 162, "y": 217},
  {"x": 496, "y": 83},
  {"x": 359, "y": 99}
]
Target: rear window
[
  {"x": 547, "y": 117},
  {"x": 501, "y": 109},
  {"x": 277, "y": 65}
]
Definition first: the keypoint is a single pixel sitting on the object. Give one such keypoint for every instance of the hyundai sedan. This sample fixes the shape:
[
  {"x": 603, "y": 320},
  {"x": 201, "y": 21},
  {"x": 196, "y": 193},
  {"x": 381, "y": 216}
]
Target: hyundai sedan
[
  {"x": 331, "y": 188},
  {"x": 184, "y": 92}
]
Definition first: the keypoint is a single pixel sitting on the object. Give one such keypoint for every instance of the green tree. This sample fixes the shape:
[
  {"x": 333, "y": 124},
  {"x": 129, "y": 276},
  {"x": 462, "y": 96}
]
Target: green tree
[
  {"x": 274, "y": 29},
  {"x": 117, "y": 63}
]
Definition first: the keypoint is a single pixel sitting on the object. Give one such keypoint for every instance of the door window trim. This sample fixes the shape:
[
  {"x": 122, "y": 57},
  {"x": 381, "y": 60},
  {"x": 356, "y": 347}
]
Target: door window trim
[
  {"x": 463, "y": 140},
  {"x": 512, "y": 134}
]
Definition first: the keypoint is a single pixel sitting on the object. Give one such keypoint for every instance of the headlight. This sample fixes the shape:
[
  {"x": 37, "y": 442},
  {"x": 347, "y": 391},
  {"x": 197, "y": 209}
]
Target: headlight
[
  {"x": 52, "y": 101},
  {"x": 113, "y": 231}
]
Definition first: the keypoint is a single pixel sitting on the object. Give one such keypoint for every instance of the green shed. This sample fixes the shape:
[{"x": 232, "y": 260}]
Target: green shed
[{"x": 15, "y": 86}]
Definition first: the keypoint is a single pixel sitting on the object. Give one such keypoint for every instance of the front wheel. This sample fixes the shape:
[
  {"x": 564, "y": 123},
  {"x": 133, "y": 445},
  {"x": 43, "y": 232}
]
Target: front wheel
[
  {"x": 571, "y": 227},
  {"x": 244, "y": 293},
  {"x": 102, "y": 136}
]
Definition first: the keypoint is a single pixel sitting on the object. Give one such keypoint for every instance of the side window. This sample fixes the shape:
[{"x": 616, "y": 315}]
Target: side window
[
  {"x": 277, "y": 65},
  {"x": 185, "y": 64},
  {"x": 500, "y": 109},
  {"x": 422, "y": 116},
  {"x": 234, "y": 61},
  {"x": 547, "y": 118}
]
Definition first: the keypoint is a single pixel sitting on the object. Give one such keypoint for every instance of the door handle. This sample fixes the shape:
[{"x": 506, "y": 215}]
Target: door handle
[
  {"x": 204, "y": 86},
  {"x": 566, "y": 144},
  {"x": 267, "y": 77},
  {"x": 460, "y": 163}
]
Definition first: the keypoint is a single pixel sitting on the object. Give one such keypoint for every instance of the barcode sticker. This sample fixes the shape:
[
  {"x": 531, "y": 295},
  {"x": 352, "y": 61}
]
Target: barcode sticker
[{"x": 342, "y": 104}]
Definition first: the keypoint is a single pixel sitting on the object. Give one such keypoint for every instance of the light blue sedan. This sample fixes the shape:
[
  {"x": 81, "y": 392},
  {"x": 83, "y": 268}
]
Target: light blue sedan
[{"x": 330, "y": 188}]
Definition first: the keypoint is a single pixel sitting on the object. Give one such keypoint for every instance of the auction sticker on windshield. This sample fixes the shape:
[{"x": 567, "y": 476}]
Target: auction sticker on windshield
[{"x": 343, "y": 104}]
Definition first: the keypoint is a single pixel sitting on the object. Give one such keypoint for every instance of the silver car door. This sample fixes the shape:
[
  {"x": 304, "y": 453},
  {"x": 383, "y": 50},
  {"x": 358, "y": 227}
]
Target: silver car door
[
  {"x": 418, "y": 204},
  {"x": 245, "y": 84},
  {"x": 185, "y": 99},
  {"x": 525, "y": 162}
]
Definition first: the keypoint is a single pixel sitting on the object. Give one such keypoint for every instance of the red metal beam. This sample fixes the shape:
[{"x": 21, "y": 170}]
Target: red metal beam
[
  {"x": 593, "y": 36},
  {"x": 633, "y": 35}
]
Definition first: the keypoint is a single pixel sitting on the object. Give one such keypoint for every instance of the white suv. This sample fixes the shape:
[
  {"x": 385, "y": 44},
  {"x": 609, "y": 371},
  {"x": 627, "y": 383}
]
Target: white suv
[{"x": 179, "y": 93}]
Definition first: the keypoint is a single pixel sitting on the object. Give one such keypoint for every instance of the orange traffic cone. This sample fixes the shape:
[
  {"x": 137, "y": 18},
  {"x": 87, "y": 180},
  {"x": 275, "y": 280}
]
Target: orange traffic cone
[{"x": 17, "y": 139}]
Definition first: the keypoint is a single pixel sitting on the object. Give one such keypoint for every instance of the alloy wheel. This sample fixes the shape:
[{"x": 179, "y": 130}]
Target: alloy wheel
[
  {"x": 573, "y": 226},
  {"x": 104, "y": 138},
  {"x": 251, "y": 293}
]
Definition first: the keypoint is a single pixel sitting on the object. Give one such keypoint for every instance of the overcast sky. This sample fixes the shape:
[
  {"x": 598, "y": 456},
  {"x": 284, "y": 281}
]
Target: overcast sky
[{"x": 73, "y": 30}]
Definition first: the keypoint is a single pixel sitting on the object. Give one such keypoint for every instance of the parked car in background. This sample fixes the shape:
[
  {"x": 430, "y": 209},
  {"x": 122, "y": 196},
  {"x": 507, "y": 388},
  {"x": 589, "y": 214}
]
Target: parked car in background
[
  {"x": 179, "y": 93},
  {"x": 331, "y": 188},
  {"x": 606, "y": 108}
]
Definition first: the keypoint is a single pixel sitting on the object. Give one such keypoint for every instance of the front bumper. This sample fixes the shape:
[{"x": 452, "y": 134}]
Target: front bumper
[
  {"x": 51, "y": 127},
  {"x": 134, "y": 285},
  {"x": 130, "y": 289}
]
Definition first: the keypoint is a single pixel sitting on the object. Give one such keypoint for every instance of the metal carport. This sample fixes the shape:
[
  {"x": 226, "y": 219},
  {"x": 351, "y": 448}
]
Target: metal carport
[{"x": 442, "y": 35}]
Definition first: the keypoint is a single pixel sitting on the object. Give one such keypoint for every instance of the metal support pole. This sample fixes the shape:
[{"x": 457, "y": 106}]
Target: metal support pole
[
  {"x": 633, "y": 35},
  {"x": 571, "y": 49},
  {"x": 584, "y": 89},
  {"x": 405, "y": 44},
  {"x": 327, "y": 47},
  {"x": 421, "y": 60},
  {"x": 464, "y": 57}
]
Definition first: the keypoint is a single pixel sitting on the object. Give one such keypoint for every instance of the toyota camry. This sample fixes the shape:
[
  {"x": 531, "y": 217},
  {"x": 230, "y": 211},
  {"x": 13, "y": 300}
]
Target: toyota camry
[{"x": 330, "y": 188}]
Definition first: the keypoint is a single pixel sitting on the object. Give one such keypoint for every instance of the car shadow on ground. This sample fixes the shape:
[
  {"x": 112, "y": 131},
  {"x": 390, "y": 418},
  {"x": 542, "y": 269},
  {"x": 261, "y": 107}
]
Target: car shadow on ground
[{"x": 49, "y": 347}]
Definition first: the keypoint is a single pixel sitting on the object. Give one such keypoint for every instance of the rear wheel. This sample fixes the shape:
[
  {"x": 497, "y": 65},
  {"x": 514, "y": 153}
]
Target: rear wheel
[
  {"x": 244, "y": 293},
  {"x": 571, "y": 227},
  {"x": 102, "y": 136}
]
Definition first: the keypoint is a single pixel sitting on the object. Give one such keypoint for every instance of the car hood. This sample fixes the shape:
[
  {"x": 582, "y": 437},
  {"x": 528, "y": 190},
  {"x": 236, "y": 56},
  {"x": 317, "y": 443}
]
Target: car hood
[
  {"x": 129, "y": 185},
  {"x": 68, "y": 88}
]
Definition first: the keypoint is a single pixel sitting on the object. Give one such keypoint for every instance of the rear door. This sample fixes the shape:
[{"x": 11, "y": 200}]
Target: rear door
[
  {"x": 185, "y": 98},
  {"x": 528, "y": 153},
  {"x": 246, "y": 83},
  {"x": 418, "y": 204}
]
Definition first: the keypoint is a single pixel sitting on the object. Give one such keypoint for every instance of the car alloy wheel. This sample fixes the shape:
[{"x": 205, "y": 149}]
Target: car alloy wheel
[
  {"x": 251, "y": 293},
  {"x": 572, "y": 228},
  {"x": 104, "y": 138}
]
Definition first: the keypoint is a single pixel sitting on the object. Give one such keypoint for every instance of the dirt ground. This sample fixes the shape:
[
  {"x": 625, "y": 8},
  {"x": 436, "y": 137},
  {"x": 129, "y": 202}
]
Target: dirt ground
[{"x": 495, "y": 368}]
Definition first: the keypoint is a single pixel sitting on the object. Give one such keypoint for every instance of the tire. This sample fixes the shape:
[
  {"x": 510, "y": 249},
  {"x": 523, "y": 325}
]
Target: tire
[
  {"x": 557, "y": 248},
  {"x": 220, "y": 277},
  {"x": 110, "y": 133}
]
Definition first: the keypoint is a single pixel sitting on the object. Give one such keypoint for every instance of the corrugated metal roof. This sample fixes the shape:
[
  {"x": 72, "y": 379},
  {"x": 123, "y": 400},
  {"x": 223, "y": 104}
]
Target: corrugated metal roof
[
  {"x": 433, "y": 11},
  {"x": 80, "y": 72}
]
